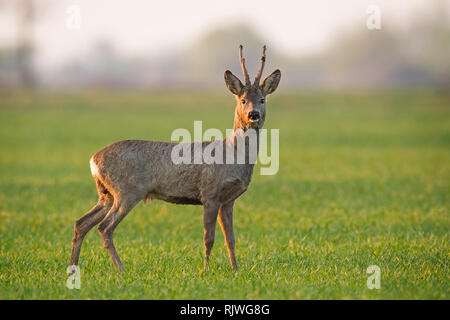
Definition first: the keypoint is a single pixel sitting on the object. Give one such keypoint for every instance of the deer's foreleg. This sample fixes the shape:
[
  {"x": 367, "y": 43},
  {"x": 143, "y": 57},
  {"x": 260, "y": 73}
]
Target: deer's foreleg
[
  {"x": 226, "y": 223},
  {"x": 211, "y": 210}
]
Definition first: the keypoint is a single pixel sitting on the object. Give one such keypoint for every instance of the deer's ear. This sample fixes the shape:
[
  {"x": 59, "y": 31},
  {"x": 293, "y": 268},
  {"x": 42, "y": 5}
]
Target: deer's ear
[
  {"x": 233, "y": 83},
  {"x": 270, "y": 83}
]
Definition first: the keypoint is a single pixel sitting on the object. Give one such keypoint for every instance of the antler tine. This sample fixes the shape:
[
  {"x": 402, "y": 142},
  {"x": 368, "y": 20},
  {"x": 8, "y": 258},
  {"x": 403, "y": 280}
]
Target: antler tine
[
  {"x": 263, "y": 60},
  {"x": 244, "y": 70}
]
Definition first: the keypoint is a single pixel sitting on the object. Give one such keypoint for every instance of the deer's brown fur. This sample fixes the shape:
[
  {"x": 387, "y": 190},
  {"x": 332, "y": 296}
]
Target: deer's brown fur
[{"x": 129, "y": 171}]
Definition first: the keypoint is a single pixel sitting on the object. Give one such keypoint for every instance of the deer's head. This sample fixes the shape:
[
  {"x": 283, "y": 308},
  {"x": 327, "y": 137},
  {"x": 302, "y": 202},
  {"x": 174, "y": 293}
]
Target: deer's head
[{"x": 251, "y": 98}]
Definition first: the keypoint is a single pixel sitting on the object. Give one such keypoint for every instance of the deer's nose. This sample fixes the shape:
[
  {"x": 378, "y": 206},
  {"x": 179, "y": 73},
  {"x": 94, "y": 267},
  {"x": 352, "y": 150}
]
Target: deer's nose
[{"x": 253, "y": 115}]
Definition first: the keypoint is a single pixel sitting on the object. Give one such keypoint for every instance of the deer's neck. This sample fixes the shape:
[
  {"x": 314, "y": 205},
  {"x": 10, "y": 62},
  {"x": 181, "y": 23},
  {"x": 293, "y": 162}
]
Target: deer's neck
[
  {"x": 238, "y": 123},
  {"x": 240, "y": 130}
]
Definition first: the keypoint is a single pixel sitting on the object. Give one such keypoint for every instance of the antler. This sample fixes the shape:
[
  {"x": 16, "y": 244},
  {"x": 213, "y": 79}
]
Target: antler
[
  {"x": 263, "y": 60},
  {"x": 244, "y": 70}
]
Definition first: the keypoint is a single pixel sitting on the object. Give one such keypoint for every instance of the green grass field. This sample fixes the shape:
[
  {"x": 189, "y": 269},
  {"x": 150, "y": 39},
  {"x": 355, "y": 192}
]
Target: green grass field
[{"x": 363, "y": 180}]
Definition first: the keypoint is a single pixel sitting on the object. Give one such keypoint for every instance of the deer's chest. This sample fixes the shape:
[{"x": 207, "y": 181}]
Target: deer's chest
[
  {"x": 236, "y": 182},
  {"x": 232, "y": 189}
]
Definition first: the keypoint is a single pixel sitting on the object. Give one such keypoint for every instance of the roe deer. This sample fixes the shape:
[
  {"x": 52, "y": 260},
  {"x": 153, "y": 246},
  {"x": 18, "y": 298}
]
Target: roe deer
[{"x": 129, "y": 171}]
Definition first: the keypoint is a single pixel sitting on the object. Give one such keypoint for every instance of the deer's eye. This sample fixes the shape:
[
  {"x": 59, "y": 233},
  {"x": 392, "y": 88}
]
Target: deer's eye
[
  {"x": 262, "y": 100},
  {"x": 243, "y": 101}
]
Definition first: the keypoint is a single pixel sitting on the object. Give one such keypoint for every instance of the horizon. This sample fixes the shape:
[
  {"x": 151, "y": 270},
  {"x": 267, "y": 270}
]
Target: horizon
[{"x": 293, "y": 28}]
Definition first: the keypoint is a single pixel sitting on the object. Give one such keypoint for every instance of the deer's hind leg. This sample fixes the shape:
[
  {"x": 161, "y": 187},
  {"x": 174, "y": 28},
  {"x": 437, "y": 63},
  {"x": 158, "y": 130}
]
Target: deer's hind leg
[
  {"x": 85, "y": 223},
  {"x": 120, "y": 208}
]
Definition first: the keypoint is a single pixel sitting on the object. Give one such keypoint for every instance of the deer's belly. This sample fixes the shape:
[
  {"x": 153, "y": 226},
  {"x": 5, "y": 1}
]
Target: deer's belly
[
  {"x": 173, "y": 198},
  {"x": 182, "y": 200}
]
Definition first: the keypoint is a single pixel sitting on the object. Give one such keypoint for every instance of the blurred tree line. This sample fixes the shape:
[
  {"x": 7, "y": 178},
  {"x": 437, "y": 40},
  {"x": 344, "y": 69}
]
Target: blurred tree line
[{"x": 361, "y": 58}]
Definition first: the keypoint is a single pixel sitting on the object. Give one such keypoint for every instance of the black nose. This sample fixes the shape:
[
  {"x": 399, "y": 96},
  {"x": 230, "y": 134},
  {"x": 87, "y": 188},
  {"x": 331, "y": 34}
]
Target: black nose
[{"x": 253, "y": 115}]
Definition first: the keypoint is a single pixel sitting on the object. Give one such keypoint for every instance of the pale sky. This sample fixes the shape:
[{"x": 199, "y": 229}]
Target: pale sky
[{"x": 150, "y": 27}]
